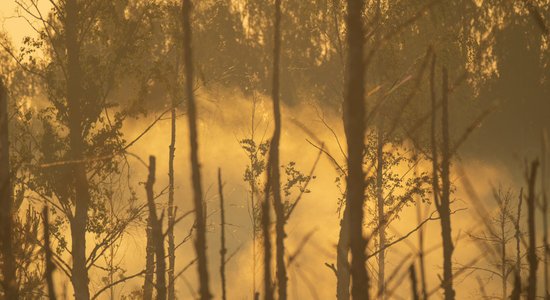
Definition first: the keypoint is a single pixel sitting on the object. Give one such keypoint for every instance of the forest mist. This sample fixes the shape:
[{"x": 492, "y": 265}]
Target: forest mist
[{"x": 123, "y": 117}]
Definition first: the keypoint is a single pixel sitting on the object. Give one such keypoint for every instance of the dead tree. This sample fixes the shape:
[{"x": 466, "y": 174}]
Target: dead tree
[
  {"x": 149, "y": 262},
  {"x": 79, "y": 270},
  {"x": 223, "y": 250},
  {"x": 171, "y": 210},
  {"x": 275, "y": 181},
  {"x": 354, "y": 124},
  {"x": 531, "y": 177},
  {"x": 9, "y": 279},
  {"x": 544, "y": 208},
  {"x": 50, "y": 266},
  {"x": 156, "y": 230},
  {"x": 443, "y": 205},
  {"x": 200, "y": 216}
]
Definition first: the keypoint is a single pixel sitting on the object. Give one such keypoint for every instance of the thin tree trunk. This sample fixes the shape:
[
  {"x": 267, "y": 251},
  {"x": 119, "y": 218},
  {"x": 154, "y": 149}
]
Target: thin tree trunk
[
  {"x": 503, "y": 271},
  {"x": 342, "y": 262},
  {"x": 149, "y": 263},
  {"x": 171, "y": 215},
  {"x": 9, "y": 279},
  {"x": 444, "y": 206},
  {"x": 433, "y": 139},
  {"x": 48, "y": 256},
  {"x": 274, "y": 159},
  {"x": 412, "y": 274},
  {"x": 381, "y": 216},
  {"x": 354, "y": 121},
  {"x": 545, "y": 212},
  {"x": 200, "y": 216},
  {"x": 517, "y": 272},
  {"x": 223, "y": 250},
  {"x": 532, "y": 251},
  {"x": 156, "y": 228},
  {"x": 79, "y": 274}
]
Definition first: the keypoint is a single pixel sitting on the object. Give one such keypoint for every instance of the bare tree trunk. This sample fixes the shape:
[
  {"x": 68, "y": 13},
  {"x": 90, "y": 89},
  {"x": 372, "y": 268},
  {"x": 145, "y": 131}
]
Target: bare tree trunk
[
  {"x": 200, "y": 216},
  {"x": 9, "y": 280},
  {"x": 79, "y": 276},
  {"x": 171, "y": 215},
  {"x": 444, "y": 205},
  {"x": 502, "y": 219},
  {"x": 266, "y": 220},
  {"x": 354, "y": 124},
  {"x": 274, "y": 161},
  {"x": 381, "y": 215},
  {"x": 223, "y": 250},
  {"x": 517, "y": 272},
  {"x": 149, "y": 263},
  {"x": 48, "y": 256},
  {"x": 545, "y": 212},
  {"x": 412, "y": 274},
  {"x": 433, "y": 137},
  {"x": 342, "y": 262},
  {"x": 156, "y": 228},
  {"x": 532, "y": 251}
]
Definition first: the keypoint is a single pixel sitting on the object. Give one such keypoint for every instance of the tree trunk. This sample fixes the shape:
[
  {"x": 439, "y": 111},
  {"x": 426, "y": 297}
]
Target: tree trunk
[
  {"x": 149, "y": 263},
  {"x": 223, "y": 250},
  {"x": 354, "y": 124},
  {"x": 532, "y": 251},
  {"x": 171, "y": 216},
  {"x": 274, "y": 161},
  {"x": 342, "y": 262},
  {"x": 444, "y": 207},
  {"x": 503, "y": 216},
  {"x": 412, "y": 274},
  {"x": 79, "y": 274},
  {"x": 9, "y": 279},
  {"x": 157, "y": 234},
  {"x": 266, "y": 220},
  {"x": 381, "y": 216},
  {"x": 545, "y": 212},
  {"x": 49, "y": 265},
  {"x": 200, "y": 216}
]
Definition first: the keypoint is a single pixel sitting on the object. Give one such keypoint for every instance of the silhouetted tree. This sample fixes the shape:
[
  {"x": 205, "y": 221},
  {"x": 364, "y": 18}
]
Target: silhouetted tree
[
  {"x": 9, "y": 279},
  {"x": 200, "y": 222}
]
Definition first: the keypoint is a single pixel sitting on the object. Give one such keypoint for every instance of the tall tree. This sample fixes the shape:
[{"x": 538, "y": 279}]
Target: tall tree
[
  {"x": 354, "y": 123},
  {"x": 9, "y": 279},
  {"x": 275, "y": 180},
  {"x": 443, "y": 207},
  {"x": 79, "y": 271},
  {"x": 200, "y": 216}
]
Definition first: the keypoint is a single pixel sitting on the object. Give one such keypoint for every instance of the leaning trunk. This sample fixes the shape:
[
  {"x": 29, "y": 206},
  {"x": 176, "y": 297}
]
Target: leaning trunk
[
  {"x": 200, "y": 219},
  {"x": 79, "y": 274}
]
